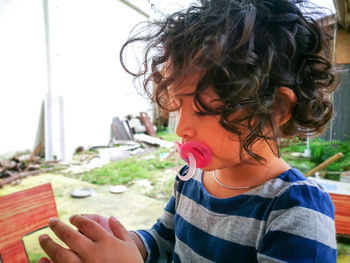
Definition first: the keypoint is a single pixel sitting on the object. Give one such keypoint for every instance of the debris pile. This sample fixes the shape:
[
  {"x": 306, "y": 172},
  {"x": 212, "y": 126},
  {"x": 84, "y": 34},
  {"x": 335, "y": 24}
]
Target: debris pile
[
  {"x": 132, "y": 136},
  {"x": 126, "y": 129},
  {"x": 18, "y": 165},
  {"x": 13, "y": 170}
]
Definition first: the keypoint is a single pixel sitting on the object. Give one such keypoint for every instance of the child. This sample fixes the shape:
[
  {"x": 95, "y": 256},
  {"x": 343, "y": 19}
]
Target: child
[{"x": 241, "y": 74}]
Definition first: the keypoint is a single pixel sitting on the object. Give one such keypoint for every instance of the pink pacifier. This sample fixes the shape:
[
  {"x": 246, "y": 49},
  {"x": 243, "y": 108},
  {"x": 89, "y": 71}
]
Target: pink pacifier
[{"x": 196, "y": 154}]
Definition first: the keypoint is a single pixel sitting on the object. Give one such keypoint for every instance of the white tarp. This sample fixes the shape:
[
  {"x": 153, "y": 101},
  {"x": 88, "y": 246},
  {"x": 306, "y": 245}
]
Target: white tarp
[{"x": 87, "y": 85}]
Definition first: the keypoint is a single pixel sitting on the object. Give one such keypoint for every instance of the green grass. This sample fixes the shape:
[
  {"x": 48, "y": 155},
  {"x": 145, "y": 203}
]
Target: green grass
[
  {"x": 162, "y": 190},
  {"x": 151, "y": 167},
  {"x": 168, "y": 136},
  {"x": 126, "y": 171},
  {"x": 343, "y": 251},
  {"x": 344, "y": 247}
]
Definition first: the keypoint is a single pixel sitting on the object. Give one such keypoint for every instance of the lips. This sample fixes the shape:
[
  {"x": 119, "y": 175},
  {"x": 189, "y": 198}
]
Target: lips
[{"x": 200, "y": 152}]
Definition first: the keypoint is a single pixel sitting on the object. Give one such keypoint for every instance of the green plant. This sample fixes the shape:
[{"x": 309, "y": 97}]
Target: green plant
[
  {"x": 321, "y": 150},
  {"x": 161, "y": 128},
  {"x": 304, "y": 165},
  {"x": 296, "y": 145}
]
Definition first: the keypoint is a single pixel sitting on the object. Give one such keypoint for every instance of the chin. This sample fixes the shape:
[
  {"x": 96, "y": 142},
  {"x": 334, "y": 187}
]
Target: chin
[{"x": 210, "y": 167}]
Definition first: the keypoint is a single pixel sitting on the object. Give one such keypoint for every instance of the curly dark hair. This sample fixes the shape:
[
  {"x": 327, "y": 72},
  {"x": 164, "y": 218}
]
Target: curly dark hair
[{"x": 246, "y": 50}]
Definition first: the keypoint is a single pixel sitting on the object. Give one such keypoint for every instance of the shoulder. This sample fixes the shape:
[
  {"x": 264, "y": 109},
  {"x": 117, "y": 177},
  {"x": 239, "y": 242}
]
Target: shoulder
[
  {"x": 297, "y": 191},
  {"x": 291, "y": 189},
  {"x": 301, "y": 216},
  {"x": 293, "y": 195}
]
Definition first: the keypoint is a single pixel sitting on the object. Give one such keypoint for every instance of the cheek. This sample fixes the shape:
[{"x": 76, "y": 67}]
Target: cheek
[
  {"x": 231, "y": 146},
  {"x": 225, "y": 144}
]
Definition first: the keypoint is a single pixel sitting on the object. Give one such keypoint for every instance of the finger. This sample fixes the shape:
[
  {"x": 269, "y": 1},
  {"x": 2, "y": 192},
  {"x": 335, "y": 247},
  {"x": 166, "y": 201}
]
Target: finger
[
  {"x": 56, "y": 253},
  {"x": 44, "y": 260},
  {"x": 88, "y": 227},
  {"x": 72, "y": 238},
  {"x": 118, "y": 229},
  {"x": 101, "y": 220}
]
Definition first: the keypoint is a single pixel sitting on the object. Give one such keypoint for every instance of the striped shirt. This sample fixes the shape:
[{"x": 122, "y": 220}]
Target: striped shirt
[{"x": 286, "y": 219}]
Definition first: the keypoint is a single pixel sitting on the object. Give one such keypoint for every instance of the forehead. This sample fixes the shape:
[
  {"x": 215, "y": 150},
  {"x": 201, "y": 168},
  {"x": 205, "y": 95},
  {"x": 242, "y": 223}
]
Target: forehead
[
  {"x": 181, "y": 80},
  {"x": 185, "y": 83},
  {"x": 186, "y": 88}
]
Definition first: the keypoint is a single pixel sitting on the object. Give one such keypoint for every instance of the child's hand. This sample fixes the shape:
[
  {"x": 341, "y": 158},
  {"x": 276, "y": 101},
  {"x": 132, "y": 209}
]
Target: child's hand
[
  {"x": 95, "y": 245},
  {"x": 101, "y": 220}
]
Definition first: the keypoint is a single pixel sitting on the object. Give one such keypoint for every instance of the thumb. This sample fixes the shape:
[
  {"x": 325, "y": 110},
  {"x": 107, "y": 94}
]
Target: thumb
[{"x": 118, "y": 229}]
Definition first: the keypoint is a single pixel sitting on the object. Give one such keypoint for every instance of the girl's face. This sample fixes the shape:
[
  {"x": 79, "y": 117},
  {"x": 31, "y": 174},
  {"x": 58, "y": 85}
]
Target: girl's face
[{"x": 224, "y": 145}]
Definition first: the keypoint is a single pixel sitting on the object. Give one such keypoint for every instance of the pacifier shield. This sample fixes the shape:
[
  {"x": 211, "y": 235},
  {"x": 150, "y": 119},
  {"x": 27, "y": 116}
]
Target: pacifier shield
[{"x": 200, "y": 152}]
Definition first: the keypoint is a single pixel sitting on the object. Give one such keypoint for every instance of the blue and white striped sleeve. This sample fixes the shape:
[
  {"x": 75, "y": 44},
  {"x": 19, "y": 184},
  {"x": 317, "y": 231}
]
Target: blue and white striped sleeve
[
  {"x": 300, "y": 228},
  {"x": 159, "y": 241}
]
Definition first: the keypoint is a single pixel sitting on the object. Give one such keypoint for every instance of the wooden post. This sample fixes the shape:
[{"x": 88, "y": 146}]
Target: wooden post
[
  {"x": 146, "y": 121},
  {"x": 325, "y": 163},
  {"x": 20, "y": 214}
]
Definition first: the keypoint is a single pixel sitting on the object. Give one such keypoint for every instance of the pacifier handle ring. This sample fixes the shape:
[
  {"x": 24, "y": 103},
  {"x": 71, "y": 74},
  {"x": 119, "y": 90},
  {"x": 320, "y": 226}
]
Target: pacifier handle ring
[{"x": 191, "y": 170}]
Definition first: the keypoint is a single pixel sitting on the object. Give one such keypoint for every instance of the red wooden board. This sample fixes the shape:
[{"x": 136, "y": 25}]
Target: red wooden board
[
  {"x": 342, "y": 213},
  {"x": 22, "y": 213},
  {"x": 146, "y": 121}
]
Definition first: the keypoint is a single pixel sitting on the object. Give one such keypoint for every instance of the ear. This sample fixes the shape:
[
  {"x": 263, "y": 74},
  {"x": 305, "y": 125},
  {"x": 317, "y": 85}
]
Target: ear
[{"x": 285, "y": 101}]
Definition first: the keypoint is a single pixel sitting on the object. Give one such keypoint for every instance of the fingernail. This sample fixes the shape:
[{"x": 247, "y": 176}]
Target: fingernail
[
  {"x": 43, "y": 237},
  {"x": 52, "y": 219}
]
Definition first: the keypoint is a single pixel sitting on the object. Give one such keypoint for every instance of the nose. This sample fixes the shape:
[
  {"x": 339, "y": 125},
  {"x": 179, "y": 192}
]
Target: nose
[{"x": 185, "y": 127}]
